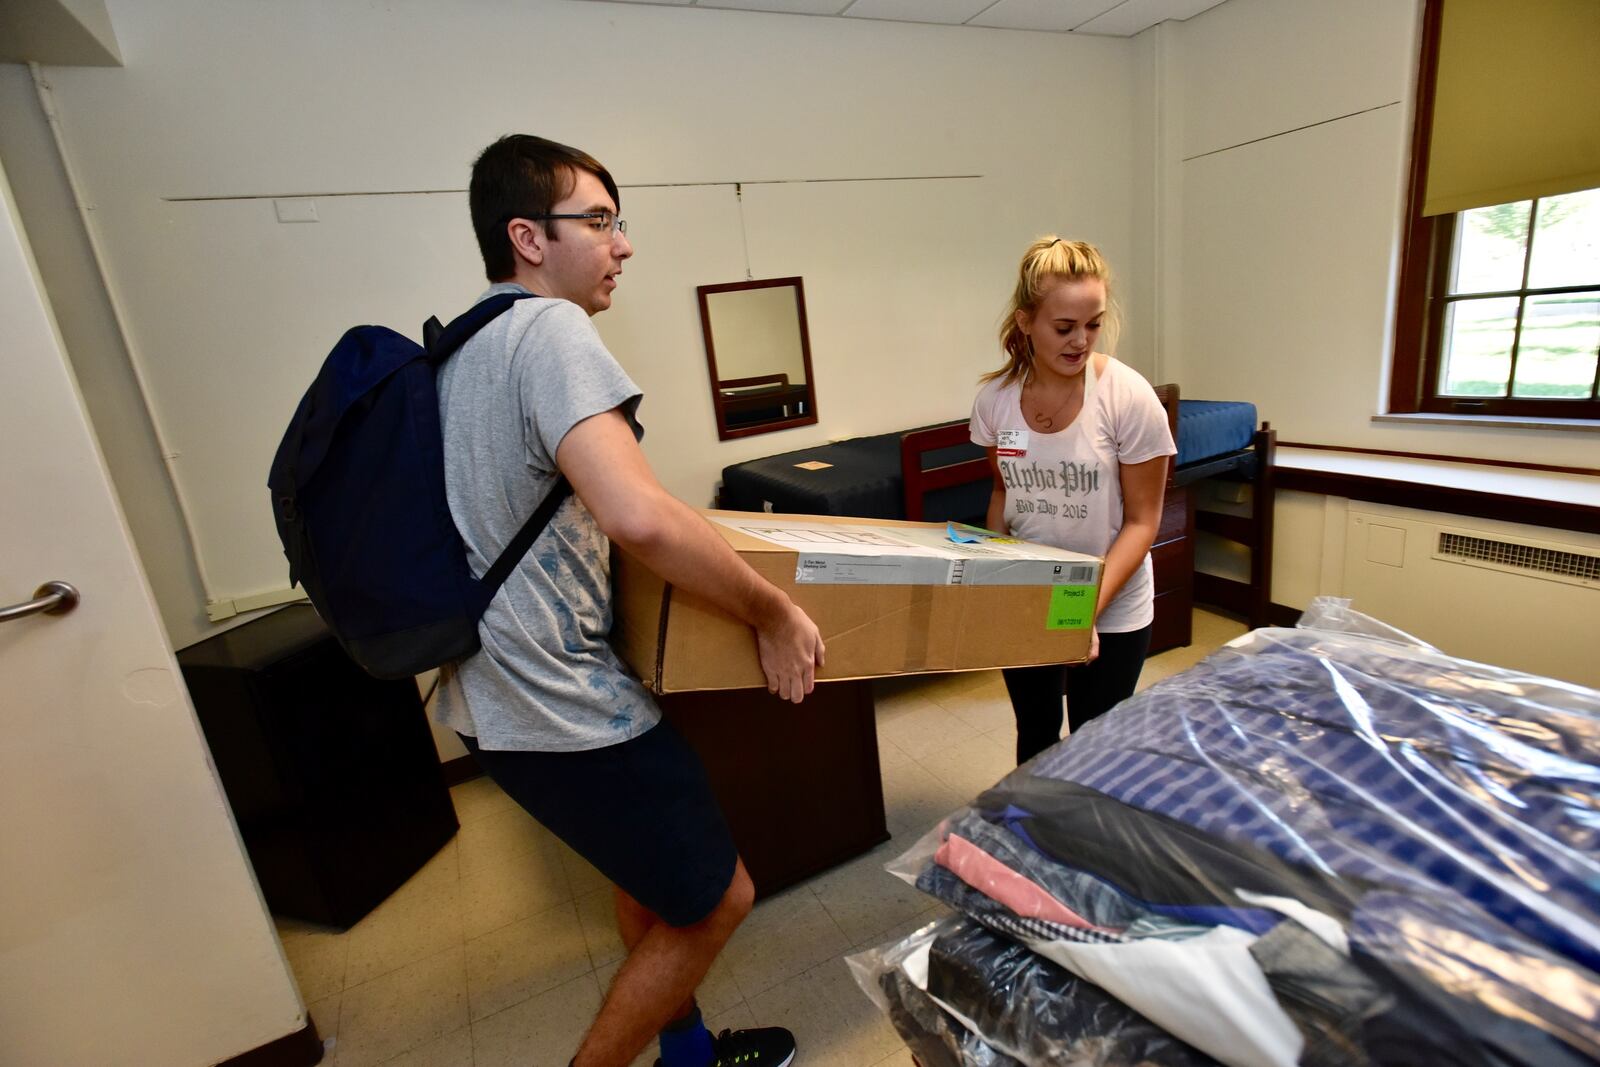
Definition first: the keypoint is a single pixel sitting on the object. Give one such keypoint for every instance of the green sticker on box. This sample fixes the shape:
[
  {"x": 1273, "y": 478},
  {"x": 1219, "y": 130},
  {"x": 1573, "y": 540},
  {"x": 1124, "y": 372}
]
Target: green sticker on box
[{"x": 1071, "y": 607}]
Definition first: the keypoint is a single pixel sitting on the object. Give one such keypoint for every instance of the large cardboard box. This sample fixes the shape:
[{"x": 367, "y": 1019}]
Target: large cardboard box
[{"x": 889, "y": 597}]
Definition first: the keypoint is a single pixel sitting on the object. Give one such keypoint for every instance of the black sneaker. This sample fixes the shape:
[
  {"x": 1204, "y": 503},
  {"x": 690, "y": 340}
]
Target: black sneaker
[{"x": 766, "y": 1046}]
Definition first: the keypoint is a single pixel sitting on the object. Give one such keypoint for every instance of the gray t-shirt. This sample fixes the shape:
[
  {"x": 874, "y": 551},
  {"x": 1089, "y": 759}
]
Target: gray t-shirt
[{"x": 546, "y": 678}]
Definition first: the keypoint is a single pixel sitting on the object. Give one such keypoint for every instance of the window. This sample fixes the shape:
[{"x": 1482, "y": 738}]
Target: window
[
  {"x": 1499, "y": 305},
  {"x": 1513, "y": 317}
]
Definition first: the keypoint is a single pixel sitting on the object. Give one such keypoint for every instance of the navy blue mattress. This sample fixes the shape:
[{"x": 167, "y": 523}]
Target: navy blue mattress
[
  {"x": 1209, "y": 428},
  {"x": 863, "y": 481}
]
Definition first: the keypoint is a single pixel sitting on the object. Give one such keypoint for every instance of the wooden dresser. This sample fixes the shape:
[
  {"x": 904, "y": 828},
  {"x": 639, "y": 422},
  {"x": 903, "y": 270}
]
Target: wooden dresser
[{"x": 1172, "y": 557}]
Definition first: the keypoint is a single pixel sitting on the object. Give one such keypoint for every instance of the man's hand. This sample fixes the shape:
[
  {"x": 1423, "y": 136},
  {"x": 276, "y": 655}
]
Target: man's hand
[
  {"x": 791, "y": 651},
  {"x": 602, "y": 460}
]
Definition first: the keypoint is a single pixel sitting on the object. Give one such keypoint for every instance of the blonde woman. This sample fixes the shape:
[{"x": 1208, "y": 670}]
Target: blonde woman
[{"x": 1078, "y": 444}]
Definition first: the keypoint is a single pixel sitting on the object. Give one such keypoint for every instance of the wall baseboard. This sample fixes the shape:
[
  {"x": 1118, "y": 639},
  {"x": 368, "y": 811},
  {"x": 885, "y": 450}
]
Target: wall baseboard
[
  {"x": 461, "y": 769},
  {"x": 303, "y": 1048}
]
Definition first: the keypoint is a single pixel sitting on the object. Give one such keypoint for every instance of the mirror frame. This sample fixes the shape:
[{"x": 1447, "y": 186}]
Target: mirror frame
[{"x": 720, "y": 403}]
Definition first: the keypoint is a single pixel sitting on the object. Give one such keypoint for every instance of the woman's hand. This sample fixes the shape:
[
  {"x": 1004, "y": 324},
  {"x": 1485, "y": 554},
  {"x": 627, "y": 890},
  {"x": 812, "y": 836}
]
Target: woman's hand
[{"x": 1094, "y": 644}]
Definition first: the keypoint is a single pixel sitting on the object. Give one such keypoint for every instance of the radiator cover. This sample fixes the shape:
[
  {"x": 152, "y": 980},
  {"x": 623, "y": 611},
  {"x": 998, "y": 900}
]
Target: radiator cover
[{"x": 1517, "y": 596}]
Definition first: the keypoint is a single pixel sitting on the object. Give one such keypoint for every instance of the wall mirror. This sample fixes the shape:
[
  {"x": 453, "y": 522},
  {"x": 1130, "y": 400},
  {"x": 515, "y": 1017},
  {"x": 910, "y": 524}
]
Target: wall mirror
[{"x": 759, "y": 354}]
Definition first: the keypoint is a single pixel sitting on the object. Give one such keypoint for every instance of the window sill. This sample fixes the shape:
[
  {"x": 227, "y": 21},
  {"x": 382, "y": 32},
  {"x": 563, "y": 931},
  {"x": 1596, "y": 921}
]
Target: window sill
[
  {"x": 1559, "y": 500},
  {"x": 1509, "y": 422}
]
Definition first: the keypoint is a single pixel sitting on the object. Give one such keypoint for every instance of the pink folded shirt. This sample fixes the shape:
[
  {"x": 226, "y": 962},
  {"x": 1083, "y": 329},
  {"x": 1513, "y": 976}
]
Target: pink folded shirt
[{"x": 1005, "y": 886}]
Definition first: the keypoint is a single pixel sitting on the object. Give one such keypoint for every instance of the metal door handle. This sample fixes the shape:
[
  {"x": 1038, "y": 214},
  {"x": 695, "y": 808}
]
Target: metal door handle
[{"x": 51, "y": 598}]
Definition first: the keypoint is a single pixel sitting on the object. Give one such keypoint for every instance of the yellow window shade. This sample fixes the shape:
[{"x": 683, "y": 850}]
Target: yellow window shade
[{"x": 1516, "y": 111}]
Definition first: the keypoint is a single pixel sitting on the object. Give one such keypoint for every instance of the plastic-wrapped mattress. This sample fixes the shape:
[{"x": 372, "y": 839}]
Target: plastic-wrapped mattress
[{"x": 1328, "y": 845}]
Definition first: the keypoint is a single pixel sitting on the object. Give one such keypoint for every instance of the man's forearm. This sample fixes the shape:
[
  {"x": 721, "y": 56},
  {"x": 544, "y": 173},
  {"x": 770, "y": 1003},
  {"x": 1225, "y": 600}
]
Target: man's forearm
[{"x": 677, "y": 543}]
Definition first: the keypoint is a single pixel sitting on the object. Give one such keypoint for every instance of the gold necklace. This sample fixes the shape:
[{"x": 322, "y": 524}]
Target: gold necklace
[{"x": 1047, "y": 421}]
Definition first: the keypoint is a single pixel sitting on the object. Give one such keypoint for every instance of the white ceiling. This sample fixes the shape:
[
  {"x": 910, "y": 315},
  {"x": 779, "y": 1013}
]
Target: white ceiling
[{"x": 1106, "y": 18}]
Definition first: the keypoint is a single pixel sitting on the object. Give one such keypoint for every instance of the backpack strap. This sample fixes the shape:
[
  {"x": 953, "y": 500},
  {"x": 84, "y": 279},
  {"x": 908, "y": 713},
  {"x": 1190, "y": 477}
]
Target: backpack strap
[
  {"x": 496, "y": 576},
  {"x": 441, "y": 343}
]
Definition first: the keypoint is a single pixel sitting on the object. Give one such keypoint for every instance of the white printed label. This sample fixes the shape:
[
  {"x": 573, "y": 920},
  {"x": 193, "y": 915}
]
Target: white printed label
[
  {"x": 1011, "y": 442},
  {"x": 1079, "y": 574}
]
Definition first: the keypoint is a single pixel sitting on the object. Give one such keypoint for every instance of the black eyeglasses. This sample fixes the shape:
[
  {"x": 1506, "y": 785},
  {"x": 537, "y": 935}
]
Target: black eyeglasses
[{"x": 603, "y": 220}]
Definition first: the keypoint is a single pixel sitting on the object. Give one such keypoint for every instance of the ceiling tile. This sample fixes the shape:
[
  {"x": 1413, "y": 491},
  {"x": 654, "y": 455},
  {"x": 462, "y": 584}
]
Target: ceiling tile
[
  {"x": 679, "y": 3},
  {"x": 793, "y": 7},
  {"x": 949, "y": 12},
  {"x": 1135, "y": 16},
  {"x": 1057, "y": 15}
]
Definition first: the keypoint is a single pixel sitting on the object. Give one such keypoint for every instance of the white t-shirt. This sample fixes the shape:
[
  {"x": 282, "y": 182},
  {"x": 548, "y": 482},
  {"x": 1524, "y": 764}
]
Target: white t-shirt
[{"x": 1064, "y": 488}]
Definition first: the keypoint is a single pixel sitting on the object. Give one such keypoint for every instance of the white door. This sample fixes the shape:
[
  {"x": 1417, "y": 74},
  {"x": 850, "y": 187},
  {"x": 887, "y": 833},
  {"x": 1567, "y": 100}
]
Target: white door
[{"x": 131, "y": 928}]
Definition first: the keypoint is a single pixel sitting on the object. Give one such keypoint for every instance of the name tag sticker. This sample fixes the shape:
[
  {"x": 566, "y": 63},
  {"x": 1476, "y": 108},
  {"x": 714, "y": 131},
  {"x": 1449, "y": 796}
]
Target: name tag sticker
[
  {"x": 1071, "y": 607},
  {"x": 1011, "y": 443},
  {"x": 813, "y": 465}
]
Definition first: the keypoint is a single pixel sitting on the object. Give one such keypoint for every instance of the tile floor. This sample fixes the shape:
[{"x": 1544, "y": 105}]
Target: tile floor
[{"x": 496, "y": 953}]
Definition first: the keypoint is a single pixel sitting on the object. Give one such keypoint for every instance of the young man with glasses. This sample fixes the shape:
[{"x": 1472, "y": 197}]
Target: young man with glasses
[{"x": 546, "y": 707}]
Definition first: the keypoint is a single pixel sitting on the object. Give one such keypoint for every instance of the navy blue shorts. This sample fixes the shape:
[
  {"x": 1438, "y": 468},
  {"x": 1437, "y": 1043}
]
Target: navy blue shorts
[{"x": 641, "y": 812}]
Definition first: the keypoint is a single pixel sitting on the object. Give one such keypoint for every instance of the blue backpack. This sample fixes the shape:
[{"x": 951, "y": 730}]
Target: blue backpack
[{"x": 359, "y": 498}]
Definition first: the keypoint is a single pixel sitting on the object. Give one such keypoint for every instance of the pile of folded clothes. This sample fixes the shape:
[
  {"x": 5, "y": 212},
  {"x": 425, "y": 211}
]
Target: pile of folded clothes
[{"x": 1329, "y": 845}]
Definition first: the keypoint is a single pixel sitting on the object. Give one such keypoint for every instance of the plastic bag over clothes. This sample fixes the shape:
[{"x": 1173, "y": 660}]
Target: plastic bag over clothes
[
  {"x": 953, "y": 977},
  {"x": 894, "y": 977},
  {"x": 1325, "y": 845}
]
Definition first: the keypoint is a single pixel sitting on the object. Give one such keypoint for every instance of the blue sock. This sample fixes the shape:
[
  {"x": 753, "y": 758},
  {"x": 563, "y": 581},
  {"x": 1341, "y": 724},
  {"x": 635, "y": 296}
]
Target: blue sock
[{"x": 686, "y": 1042}]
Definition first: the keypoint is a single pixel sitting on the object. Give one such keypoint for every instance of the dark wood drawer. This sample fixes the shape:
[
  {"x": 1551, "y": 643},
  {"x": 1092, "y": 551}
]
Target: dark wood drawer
[
  {"x": 1176, "y": 519},
  {"x": 1173, "y": 565}
]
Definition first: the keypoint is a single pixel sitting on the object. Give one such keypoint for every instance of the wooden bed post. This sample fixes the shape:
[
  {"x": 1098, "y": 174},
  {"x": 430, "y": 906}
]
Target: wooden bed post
[{"x": 1263, "y": 498}]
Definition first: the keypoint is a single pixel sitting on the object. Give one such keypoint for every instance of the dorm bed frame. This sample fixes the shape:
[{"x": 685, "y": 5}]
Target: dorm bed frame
[{"x": 1253, "y": 465}]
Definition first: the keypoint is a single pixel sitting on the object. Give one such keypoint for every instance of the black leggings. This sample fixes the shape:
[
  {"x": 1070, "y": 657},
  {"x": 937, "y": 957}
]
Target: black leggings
[{"x": 1091, "y": 689}]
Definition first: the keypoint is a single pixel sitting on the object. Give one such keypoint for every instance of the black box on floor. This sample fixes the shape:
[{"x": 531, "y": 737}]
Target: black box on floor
[{"x": 332, "y": 774}]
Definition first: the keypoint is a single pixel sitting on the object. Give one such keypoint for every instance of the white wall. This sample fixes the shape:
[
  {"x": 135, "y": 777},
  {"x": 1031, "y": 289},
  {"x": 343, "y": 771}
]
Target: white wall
[
  {"x": 229, "y": 311},
  {"x": 99, "y": 357},
  {"x": 1283, "y": 172},
  {"x": 1296, "y": 123}
]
